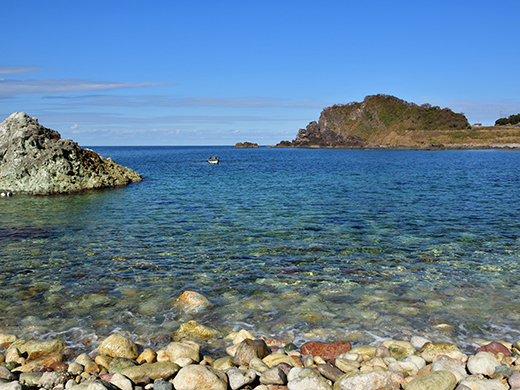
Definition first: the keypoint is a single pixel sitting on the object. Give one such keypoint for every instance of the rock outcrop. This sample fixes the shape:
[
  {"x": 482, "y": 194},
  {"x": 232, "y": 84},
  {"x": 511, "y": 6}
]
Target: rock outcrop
[
  {"x": 36, "y": 160},
  {"x": 380, "y": 120},
  {"x": 246, "y": 145}
]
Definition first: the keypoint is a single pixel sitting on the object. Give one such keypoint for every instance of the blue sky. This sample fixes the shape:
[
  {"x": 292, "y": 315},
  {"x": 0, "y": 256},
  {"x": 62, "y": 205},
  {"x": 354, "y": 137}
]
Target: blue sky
[{"x": 219, "y": 72}]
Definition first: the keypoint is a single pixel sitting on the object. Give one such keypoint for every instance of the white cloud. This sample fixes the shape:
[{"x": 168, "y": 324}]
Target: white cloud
[
  {"x": 12, "y": 70},
  {"x": 173, "y": 101},
  {"x": 10, "y": 88},
  {"x": 74, "y": 127}
]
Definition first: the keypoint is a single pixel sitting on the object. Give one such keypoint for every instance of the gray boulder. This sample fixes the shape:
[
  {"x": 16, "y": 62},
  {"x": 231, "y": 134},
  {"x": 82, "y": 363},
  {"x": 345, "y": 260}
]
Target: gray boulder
[{"x": 36, "y": 160}]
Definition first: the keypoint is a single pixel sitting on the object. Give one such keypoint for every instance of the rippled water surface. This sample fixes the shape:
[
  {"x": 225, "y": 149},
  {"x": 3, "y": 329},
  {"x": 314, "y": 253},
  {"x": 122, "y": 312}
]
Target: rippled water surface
[{"x": 323, "y": 243}]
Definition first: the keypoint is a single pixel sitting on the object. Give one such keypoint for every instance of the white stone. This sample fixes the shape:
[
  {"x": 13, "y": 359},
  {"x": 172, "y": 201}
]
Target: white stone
[
  {"x": 418, "y": 342},
  {"x": 183, "y": 349},
  {"x": 122, "y": 382},
  {"x": 448, "y": 365},
  {"x": 239, "y": 378},
  {"x": 482, "y": 363},
  {"x": 405, "y": 368},
  {"x": 417, "y": 360}
]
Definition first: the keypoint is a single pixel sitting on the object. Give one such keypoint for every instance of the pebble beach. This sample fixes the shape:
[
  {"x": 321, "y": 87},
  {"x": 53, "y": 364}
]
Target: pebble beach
[{"x": 189, "y": 359}]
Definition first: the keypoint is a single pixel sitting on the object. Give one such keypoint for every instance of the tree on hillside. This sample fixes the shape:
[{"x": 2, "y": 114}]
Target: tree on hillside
[{"x": 510, "y": 120}]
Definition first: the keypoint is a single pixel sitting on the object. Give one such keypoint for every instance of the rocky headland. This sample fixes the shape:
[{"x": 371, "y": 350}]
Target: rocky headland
[
  {"x": 387, "y": 122},
  {"x": 36, "y": 160},
  {"x": 184, "y": 361},
  {"x": 246, "y": 145}
]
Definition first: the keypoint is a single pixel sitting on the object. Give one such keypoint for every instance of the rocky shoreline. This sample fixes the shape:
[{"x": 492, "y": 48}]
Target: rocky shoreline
[
  {"x": 182, "y": 361},
  {"x": 493, "y": 146}
]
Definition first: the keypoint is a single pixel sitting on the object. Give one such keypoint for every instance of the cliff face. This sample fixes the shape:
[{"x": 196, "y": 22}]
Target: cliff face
[
  {"x": 376, "y": 120},
  {"x": 36, "y": 160}
]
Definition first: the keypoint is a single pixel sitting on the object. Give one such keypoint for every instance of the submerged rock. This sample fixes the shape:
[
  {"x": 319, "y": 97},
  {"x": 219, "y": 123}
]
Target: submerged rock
[{"x": 36, "y": 160}]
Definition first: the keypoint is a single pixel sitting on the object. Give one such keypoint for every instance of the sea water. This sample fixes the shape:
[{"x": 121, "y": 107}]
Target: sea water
[{"x": 311, "y": 243}]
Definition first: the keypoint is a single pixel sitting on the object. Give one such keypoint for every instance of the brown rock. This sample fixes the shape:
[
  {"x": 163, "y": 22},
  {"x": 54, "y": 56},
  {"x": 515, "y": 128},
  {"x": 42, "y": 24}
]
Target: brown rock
[
  {"x": 59, "y": 366},
  {"x": 249, "y": 349},
  {"x": 45, "y": 359},
  {"x": 495, "y": 348},
  {"x": 327, "y": 351},
  {"x": 191, "y": 298},
  {"x": 329, "y": 372},
  {"x": 147, "y": 356},
  {"x": 192, "y": 302}
]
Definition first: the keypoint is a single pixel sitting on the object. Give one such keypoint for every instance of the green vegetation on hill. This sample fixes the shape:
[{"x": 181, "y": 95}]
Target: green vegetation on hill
[
  {"x": 385, "y": 121},
  {"x": 510, "y": 120},
  {"x": 384, "y": 113}
]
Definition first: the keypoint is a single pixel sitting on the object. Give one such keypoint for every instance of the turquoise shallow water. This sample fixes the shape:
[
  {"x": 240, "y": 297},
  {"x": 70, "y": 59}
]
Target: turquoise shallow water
[{"x": 323, "y": 243}]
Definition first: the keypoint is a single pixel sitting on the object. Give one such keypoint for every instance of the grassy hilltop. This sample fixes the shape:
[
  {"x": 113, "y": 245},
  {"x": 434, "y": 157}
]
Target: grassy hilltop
[{"x": 387, "y": 121}]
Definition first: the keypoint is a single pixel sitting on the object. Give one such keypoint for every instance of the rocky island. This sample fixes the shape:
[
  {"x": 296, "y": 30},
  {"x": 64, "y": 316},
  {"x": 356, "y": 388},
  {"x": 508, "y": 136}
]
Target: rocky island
[
  {"x": 384, "y": 121},
  {"x": 36, "y": 160},
  {"x": 246, "y": 145}
]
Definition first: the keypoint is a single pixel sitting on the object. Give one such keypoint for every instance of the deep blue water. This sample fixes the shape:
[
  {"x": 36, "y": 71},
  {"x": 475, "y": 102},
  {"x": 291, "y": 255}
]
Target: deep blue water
[{"x": 324, "y": 243}]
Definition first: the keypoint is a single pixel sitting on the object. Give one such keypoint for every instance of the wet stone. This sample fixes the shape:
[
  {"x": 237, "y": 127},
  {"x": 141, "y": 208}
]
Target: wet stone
[{"x": 325, "y": 350}]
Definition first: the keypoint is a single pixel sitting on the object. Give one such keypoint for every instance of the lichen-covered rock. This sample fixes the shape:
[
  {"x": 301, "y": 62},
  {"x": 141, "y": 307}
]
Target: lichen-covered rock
[{"x": 36, "y": 160}]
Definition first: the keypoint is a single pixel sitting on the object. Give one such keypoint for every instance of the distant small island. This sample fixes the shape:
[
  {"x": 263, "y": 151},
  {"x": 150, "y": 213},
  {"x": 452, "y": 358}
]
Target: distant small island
[
  {"x": 387, "y": 122},
  {"x": 246, "y": 145}
]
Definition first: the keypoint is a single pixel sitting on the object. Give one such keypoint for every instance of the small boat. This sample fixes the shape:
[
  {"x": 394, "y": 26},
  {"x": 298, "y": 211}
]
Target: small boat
[{"x": 213, "y": 160}]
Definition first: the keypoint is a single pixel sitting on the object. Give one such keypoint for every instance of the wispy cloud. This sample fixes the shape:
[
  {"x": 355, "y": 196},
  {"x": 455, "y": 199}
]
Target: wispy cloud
[
  {"x": 174, "y": 101},
  {"x": 11, "y": 88},
  {"x": 123, "y": 121},
  {"x": 16, "y": 70}
]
